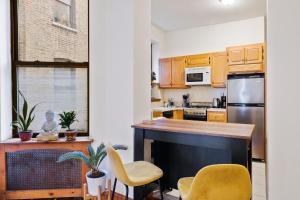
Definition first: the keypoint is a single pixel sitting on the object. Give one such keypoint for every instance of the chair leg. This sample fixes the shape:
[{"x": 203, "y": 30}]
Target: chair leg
[
  {"x": 114, "y": 189},
  {"x": 160, "y": 189},
  {"x": 127, "y": 191}
]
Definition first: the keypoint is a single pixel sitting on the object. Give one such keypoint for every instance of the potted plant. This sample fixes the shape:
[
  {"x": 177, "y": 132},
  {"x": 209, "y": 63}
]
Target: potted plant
[
  {"x": 24, "y": 120},
  {"x": 95, "y": 177},
  {"x": 66, "y": 120}
]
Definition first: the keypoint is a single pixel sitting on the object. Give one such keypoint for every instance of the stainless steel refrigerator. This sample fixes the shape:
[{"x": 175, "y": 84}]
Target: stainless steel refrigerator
[{"x": 246, "y": 104}]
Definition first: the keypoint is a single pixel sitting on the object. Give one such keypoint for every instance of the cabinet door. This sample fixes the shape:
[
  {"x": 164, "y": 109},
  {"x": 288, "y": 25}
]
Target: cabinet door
[
  {"x": 178, "y": 114},
  {"x": 216, "y": 117},
  {"x": 248, "y": 68},
  {"x": 178, "y": 73},
  {"x": 236, "y": 55},
  {"x": 254, "y": 53},
  {"x": 165, "y": 73},
  {"x": 219, "y": 69},
  {"x": 198, "y": 60},
  {"x": 156, "y": 114}
]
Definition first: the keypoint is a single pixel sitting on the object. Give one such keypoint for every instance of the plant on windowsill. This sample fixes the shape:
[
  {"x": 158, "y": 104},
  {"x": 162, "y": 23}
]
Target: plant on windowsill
[
  {"x": 66, "y": 120},
  {"x": 25, "y": 119},
  {"x": 95, "y": 177}
]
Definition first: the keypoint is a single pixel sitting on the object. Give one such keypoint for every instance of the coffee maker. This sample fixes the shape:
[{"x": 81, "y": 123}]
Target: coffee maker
[
  {"x": 186, "y": 100},
  {"x": 223, "y": 101}
]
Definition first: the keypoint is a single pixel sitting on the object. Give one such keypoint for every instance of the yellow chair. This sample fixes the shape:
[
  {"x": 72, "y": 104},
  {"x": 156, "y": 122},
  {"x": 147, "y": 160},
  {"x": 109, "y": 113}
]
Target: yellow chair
[
  {"x": 217, "y": 182},
  {"x": 133, "y": 174}
]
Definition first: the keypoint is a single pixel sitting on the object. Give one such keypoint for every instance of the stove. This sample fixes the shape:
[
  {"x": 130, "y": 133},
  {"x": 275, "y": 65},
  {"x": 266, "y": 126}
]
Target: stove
[{"x": 197, "y": 111}]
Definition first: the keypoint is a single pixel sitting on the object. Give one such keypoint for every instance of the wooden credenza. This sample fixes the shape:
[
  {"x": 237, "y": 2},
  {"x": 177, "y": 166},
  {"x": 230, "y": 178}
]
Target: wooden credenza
[{"x": 29, "y": 169}]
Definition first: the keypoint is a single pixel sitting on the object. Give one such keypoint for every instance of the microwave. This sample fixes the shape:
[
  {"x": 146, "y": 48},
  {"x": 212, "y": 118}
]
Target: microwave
[{"x": 198, "y": 76}]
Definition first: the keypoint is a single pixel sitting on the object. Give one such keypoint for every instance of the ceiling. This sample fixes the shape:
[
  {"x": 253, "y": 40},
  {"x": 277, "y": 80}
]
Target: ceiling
[{"x": 172, "y": 15}]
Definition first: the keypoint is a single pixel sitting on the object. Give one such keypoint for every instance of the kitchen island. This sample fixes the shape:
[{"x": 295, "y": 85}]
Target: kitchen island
[{"x": 181, "y": 148}]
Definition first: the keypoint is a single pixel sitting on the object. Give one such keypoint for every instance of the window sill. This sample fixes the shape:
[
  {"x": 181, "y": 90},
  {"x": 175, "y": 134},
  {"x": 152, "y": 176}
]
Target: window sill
[{"x": 64, "y": 27}]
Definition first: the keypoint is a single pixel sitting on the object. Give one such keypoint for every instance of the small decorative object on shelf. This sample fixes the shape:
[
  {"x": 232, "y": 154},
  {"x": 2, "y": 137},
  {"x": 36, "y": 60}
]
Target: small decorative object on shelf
[
  {"x": 153, "y": 77},
  {"x": 50, "y": 125},
  {"x": 49, "y": 128},
  {"x": 25, "y": 118},
  {"x": 47, "y": 136},
  {"x": 66, "y": 120},
  {"x": 95, "y": 177}
]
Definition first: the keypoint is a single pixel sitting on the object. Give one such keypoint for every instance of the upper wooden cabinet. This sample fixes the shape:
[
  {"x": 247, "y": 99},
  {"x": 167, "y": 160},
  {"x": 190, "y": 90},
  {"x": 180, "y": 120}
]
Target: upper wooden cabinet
[
  {"x": 165, "y": 72},
  {"x": 178, "y": 71},
  {"x": 219, "y": 69},
  {"x": 247, "y": 58},
  {"x": 236, "y": 55},
  {"x": 198, "y": 60},
  {"x": 254, "y": 54},
  {"x": 172, "y": 72}
]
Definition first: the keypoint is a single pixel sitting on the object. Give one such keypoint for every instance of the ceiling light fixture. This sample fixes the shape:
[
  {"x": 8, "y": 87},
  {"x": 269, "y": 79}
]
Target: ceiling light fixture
[{"x": 227, "y": 2}]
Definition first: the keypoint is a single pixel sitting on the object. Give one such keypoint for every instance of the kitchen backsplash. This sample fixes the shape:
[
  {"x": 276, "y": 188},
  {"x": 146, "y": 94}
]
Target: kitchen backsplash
[{"x": 197, "y": 94}]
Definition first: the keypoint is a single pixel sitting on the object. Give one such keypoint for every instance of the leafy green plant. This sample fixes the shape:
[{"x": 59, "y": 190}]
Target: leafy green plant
[
  {"x": 93, "y": 160},
  {"x": 25, "y": 118},
  {"x": 67, "y": 119}
]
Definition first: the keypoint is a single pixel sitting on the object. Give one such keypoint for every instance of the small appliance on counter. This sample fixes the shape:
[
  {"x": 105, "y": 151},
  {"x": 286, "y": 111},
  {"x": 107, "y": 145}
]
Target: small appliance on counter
[
  {"x": 216, "y": 103},
  {"x": 170, "y": 103},
  {"x": 186, "y": 100},
  {"x": 223, "y": 101}
]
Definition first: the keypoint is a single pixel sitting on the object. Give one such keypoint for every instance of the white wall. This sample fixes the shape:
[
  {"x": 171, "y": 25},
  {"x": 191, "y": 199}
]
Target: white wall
[
  {"x": 5, "y": 71},
  {"x": 283, "y": 71},
  {"x": 158, "y": 48},
  {"x": 158, "y": 36},
  {"x": 120, "y": 39},
  {"x": 214, "y": 37},
  {"x": 197, "y": 94}
]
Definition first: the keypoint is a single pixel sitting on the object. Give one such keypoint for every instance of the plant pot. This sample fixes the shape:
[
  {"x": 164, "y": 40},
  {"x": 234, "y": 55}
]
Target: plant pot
[
  {"x": 70, "y": 135},
  {"x": 94, "y": 183},
  {"x": 25, "y": 135}
]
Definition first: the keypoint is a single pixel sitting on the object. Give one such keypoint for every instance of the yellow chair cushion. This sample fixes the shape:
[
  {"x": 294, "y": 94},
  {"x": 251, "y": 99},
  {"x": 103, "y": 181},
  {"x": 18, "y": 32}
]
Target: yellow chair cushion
[
  {"x": 133, "y": 174},
  {"x": 184, "y": 186},
  {"x": 142, "y": 173},
  {"x": 217, "y": 182}
]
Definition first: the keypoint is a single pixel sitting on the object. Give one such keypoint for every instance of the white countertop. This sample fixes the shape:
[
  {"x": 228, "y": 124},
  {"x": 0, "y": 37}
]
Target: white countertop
[{"x": 216, "y": 110}]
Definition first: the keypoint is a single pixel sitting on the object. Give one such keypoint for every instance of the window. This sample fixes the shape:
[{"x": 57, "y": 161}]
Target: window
[
  {"x": 64, "y": 11},
  {"x": 50, "y": 59}
]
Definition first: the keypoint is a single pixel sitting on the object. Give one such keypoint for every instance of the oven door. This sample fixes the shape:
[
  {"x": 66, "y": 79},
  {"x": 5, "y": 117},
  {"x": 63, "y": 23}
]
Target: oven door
[{"x": 195, "y": 117}]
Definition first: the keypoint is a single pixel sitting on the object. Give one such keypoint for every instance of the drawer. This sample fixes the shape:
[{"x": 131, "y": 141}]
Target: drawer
[{"x": 217, "y": 117}]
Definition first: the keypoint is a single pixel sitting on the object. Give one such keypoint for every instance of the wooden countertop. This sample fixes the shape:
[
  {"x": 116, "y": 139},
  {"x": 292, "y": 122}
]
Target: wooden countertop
[
  {"x": 34, "y": 141},
  {"x": 229, "y": 130}
]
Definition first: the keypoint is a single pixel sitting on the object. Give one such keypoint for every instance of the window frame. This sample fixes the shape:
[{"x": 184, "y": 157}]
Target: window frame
[
  {"x": 72, "y": 16},
  {"x": 16, "y": 63}
]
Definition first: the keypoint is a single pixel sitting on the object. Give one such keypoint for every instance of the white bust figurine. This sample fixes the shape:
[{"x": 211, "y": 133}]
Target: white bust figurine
[{"x": 50, "y": 125}]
